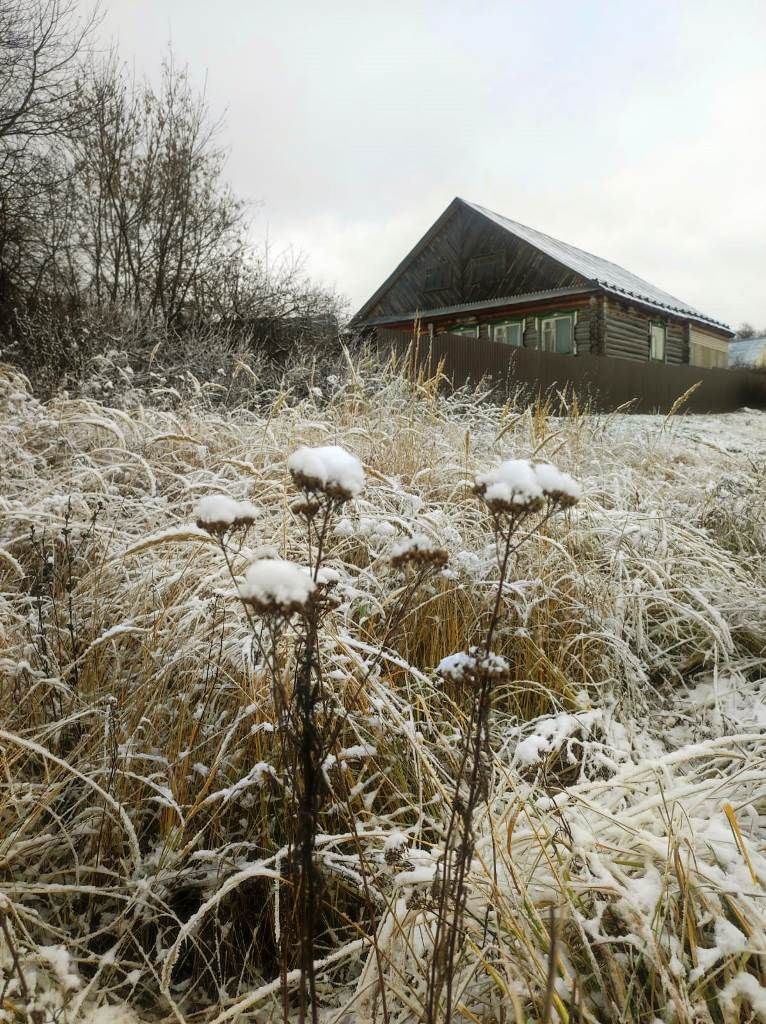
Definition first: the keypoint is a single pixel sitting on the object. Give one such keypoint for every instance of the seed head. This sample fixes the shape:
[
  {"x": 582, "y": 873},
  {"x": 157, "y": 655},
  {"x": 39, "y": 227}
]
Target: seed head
[
  {"x": 558, "y": 487},
  {"x": 275, "y": 587},
  {"x": 218, "y": 513},
  {"x": 395, "y": 849},
  {"x": 418, "y": 551},
  {"x": 328, "y": 470},
  {"x": 474, "y": 665},
  {"x": 307, "y": 506},
  {"x": 512, "y": 488}
]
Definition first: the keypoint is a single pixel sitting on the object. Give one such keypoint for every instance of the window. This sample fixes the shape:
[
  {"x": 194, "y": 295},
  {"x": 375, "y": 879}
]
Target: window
[
  {"x": 471, "y": 330},
  {"x": 557, "y": 333},
  {"x": 510, "y": 333},
  {"x": 486, "y": 271},
  {"x": 438, "y": 276},
  {"x": 657, "y": 342}
]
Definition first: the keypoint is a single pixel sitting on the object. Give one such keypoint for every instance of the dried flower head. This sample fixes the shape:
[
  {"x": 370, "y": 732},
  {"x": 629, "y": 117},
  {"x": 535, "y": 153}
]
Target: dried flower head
[
  {"x": 246, "y": 515},
  {"x": 273, "y": 586},
  {"x": 327, "y": 578},
  {"x": 218, "y": 513},
  {"x": 511, "y": 488},
  {"x": 307, "y": 506},
  {"x": 472, "y": 665},
  {"x": 329, "y": 470},
  {"x": 419, "y": 551},
  {"x": 560, "y": 488},
  {"x": 395, "y": 849}
]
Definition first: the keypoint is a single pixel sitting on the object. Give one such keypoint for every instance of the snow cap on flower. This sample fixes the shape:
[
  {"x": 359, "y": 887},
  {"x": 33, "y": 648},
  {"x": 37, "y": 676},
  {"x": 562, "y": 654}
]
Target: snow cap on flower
[
  {"x": 330, "y": 470},
  {"x": 395, "y": 848},
  {"x": 559, "y": 487},
  {"x": 327, "y": 577},
  {"x": 512, "y": 487},
  {"x": 457, "y": 667},
  {"x": 218, "y": 513},
  {"x": 468, "y": 666},
  {"x": 417, "y": 550},
  {"x": 272, "y": 585}
]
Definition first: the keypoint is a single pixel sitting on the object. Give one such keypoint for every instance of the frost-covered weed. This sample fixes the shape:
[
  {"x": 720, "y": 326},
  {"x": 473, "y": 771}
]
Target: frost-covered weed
[{"x": 141, "y": 806}]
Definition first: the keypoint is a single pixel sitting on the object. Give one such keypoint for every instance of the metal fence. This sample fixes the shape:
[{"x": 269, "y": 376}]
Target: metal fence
[{"x": 607, "y": 383}]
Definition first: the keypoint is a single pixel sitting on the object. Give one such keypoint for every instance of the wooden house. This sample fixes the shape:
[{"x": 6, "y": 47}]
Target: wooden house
[{"x": 482, "y": 275}]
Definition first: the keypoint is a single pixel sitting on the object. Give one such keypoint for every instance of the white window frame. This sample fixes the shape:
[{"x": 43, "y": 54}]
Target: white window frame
[
  {"x": 521, "y": 324},
  {"x": 655, "y": 324},
  {"x": 543, "y": 320}
]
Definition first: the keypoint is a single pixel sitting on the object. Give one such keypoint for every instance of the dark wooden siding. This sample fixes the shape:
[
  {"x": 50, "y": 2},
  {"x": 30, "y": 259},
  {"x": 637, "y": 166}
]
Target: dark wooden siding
[
  {"x": 626, "y": 333},
  {"x": 480, "y": 261},
  {"x": 676, "y": 343},
  {"x": 531, "y": 334},
  {"x": 582, "y": 331}
]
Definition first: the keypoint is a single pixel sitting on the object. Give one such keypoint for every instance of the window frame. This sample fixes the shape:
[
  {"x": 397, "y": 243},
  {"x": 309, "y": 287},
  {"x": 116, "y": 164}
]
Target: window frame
[
  {"x": 520, "y": 323},
  {"x": 660, "y": 324},
  {"x": 484, "y": 268},
  {"x": 465, "y": 330},
  {"x": 564, "y": 314},
  {"x": 446, "y": 278}
]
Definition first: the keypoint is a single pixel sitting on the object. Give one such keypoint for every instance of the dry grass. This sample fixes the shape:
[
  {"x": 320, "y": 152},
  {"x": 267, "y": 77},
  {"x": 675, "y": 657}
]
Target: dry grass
[{"x": 140, "y": 832}]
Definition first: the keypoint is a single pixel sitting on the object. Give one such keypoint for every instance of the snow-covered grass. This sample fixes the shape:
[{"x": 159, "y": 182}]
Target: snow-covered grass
[{"x": 620, "y": 862}]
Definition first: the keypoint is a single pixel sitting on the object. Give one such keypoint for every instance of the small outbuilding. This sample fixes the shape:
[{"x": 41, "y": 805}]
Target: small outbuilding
[
  {"x": 748, "y": 352},
  {"x": 479, "y": 274}
]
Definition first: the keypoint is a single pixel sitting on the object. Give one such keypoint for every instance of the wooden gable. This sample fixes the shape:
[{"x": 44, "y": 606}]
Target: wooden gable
[{"x": 465, "y": 257}]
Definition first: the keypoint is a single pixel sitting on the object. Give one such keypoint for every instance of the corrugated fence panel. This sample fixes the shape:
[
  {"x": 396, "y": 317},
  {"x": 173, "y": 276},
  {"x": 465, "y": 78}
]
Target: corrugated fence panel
[{"x": 607, "y": 382}]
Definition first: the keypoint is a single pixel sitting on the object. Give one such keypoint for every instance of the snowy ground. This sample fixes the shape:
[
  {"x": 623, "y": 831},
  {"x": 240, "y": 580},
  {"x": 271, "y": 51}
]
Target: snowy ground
[
  {"x": 731, "y": 434},
  {"x": 628, "y": 789}
]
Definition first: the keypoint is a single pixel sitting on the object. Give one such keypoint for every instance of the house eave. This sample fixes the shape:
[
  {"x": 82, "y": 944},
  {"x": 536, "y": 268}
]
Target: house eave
[
  {"x": 507, "y": 301},
  {"x": 540, "y": 298},
  {"x": 677, "y": 311}
]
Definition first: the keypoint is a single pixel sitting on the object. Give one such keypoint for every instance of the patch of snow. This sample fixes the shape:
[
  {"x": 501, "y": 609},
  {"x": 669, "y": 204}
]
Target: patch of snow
[
  {"x": 328, "y": 467},
  {"x": 272, "y": 581},
  {"x": 59, "y": 959},
  {"x": 554, "y": 482},
  {"x": 395, "y": 842},
  {"x": 220, "y": 510},
  {"x": 514, "y": 482}
]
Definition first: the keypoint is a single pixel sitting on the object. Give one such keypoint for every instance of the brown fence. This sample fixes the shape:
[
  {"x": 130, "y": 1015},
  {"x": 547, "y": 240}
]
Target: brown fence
[{"x": 607, "y": 383}]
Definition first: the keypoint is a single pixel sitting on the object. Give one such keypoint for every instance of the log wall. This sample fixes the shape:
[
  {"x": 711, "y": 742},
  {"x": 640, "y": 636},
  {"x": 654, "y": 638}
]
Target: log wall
[{"x": 626, "y": 333}]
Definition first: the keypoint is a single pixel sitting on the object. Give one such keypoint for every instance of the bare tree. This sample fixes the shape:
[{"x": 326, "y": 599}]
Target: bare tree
[
  {"x": 43, "y": 44},
  {"x": 114, "y": 203},
  {"x": 156, "y": 220}
]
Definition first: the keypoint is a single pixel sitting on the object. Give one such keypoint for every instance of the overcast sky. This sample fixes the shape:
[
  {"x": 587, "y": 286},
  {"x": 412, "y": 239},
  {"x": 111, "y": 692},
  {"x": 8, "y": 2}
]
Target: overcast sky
[{"x": 636, "y": 130}]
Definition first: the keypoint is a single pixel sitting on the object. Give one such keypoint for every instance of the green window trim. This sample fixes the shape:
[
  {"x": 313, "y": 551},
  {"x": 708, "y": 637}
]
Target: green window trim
[
  {"x": 500, "y": 327},
  {"x": 563, "y": 314}
]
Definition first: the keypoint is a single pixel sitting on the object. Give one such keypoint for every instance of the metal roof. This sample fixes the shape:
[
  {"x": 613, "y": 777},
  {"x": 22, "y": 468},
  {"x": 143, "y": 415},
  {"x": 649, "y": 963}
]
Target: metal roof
[
  {"x": 596, "y": 272},
  {"x": 602, "y": 272},
  {"x": 747, "y": 351},
  {"x": 467, "y": 307}
]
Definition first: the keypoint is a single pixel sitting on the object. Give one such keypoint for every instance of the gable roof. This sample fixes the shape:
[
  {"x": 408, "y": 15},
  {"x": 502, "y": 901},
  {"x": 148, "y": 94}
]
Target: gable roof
[{"x": 596, "y": 271}]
